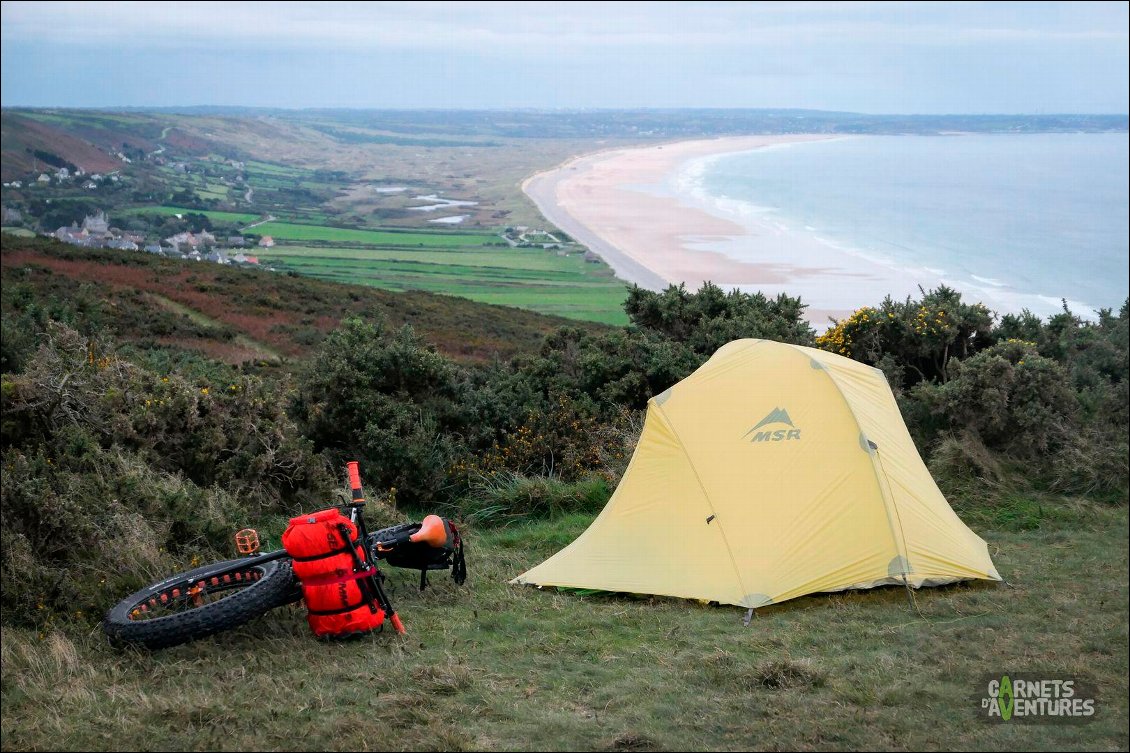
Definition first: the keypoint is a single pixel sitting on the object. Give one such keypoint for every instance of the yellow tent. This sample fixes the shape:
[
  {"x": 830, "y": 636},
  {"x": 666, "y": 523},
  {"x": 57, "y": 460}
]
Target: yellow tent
[{"x": 771, "y": 472}]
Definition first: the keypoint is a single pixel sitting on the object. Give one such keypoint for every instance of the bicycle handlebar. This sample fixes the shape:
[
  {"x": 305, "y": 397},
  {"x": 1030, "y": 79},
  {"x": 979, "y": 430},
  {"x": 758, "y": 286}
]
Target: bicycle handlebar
[{"x": 353, "y": 468}]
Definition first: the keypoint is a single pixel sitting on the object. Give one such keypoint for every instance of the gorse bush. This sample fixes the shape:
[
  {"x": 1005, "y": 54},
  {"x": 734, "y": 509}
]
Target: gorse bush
[
  {"x": 707, "y": 320},
  {"x": 912, "y": 341},
  {"x": 113, "y": 474},
  {"x": 568, "y": 441},
  {"x": 237, "y": 434},
  {"x": 1015, "y": 400},
  {"x": 389, "y": 400},
  {"x": 1047, "y": 401}
]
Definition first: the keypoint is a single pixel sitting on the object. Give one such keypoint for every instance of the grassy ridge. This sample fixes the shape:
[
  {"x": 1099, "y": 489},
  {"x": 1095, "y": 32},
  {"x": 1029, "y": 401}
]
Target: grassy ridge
[
  {"x": 239, "y": 314},
  {"x": 493, "y": 666}
]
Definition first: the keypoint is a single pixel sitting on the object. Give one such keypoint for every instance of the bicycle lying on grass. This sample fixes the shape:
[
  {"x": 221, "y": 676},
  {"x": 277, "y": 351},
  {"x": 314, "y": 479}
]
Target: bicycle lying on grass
[{"x": 340, "y": 580}]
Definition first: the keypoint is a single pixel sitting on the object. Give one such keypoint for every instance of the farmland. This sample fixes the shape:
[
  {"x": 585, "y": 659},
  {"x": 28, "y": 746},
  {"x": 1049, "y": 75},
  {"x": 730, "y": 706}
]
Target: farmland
[
  {"x": 214, "y": 215},
  {"x": 297, "y": 232},
  {"x": 527, "y": 278}
]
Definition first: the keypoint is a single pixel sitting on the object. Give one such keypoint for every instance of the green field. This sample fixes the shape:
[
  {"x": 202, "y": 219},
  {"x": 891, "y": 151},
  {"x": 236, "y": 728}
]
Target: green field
[
  {"x": 254, "y": 166},
  {"x": 213, "y": 192},
  {"x": 236, "y": 217},
  {"x": 18, "y": 231},
  {"x": 489, "y": 666},
  {"x": 527, "y": 278},
  {"x": 296, "y": 232}
]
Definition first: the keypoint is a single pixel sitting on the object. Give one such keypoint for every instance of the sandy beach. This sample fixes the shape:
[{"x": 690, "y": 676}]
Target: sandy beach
[{"x": 619, "y": 203}]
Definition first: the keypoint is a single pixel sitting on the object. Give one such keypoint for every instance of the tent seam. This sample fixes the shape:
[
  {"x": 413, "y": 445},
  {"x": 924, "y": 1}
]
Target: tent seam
[
  {"x": 887, "y": 505},
  {"x": 706, "y": 496}
]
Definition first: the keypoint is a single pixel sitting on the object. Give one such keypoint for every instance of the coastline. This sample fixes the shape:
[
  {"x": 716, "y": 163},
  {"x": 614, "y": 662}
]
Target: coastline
[{"x": 617, "y": 203}]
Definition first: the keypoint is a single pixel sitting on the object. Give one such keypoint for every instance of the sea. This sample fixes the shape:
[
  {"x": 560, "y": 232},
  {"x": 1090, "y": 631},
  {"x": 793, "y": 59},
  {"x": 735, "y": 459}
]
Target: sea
[{"x": 1016, "y": 221}]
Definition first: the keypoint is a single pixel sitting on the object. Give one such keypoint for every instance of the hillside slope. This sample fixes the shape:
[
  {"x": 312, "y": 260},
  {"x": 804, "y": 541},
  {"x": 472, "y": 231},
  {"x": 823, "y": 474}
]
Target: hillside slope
[
  {"x": 22, "y": 137},
  {"x": 235, "y": 315}
]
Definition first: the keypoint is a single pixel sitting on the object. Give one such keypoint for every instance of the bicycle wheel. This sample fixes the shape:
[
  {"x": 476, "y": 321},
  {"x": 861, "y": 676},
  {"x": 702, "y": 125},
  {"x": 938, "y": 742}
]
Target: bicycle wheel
[{"x": 201, "y": 602}]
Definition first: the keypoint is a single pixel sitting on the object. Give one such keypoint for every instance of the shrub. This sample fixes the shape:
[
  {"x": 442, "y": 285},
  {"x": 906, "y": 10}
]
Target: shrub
[
  {"x": 567, "y": 439},
  {"x": 912, "y": 341},
  {"x": 237, "y": 434},
  {"x": 710, "y": 318},
  {"x": 1013, "y": 399},
  {"x": 388, "y": 400},
  {"x": 84, "y": 525}
]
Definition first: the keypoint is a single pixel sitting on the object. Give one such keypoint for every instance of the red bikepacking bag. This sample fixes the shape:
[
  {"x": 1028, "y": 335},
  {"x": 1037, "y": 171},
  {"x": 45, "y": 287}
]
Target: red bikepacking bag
[{"x": 337, "y": 601}]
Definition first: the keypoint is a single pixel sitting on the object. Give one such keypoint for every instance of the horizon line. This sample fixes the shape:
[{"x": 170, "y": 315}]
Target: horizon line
[{"x": 143, "y": 108}]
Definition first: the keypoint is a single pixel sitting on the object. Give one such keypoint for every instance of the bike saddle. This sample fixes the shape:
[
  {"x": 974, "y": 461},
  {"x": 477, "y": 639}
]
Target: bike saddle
[{"x": 434, "y": 532}]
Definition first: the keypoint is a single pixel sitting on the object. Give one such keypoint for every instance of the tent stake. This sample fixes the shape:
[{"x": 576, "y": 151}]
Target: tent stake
[{"x": 748, "y": 617}]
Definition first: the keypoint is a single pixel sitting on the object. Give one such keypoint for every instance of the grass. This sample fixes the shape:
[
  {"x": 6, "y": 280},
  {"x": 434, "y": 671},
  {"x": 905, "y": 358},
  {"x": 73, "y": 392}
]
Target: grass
[
  {"x": 297, "y": 232},
  {"x": 236, "y": 217},
  {"x": 507, "y": 498},
  {"x": 494, "y": 666},
  {"x": 525, "y": 278},
  {"x": 254, "y": 166},
  {"x": 503, "y": 257},
  {"x": 212, "y": 194},
  {"x": 243, "y": 343}
]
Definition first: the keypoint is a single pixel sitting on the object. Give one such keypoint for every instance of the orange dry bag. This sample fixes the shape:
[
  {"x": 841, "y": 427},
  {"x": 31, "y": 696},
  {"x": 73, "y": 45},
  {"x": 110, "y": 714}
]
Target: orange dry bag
[{"x": 338, "y": 602}]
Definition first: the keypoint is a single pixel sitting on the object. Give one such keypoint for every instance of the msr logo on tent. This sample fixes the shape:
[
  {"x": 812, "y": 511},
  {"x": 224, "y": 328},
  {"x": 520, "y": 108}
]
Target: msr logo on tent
[{"x": 776, "y": 416}]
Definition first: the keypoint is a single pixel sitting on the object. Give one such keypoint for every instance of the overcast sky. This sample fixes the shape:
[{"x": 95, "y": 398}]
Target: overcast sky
[{"x": 889, "y": 57}]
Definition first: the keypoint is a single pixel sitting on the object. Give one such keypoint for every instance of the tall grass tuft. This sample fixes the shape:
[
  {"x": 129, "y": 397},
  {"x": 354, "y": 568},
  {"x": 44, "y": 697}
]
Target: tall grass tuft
[{"x": 502, "y": 498}]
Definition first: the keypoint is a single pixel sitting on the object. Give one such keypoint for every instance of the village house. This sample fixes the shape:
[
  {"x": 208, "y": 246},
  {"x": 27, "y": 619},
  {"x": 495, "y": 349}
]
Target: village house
[
  {"x": 94, "y": 233},
  {"x": 71, "y": 234},
  {"x": 266, "y": 242},
  {"x": 96, "y": 224},
  {"x": 182, "y": 241},
  {"x": 191, "y": 240}
]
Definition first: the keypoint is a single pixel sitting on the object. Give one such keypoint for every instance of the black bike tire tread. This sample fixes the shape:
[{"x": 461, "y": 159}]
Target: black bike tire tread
[
  {"x": 395, "y": 530},
  {"x": 275, "y": 588}
]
